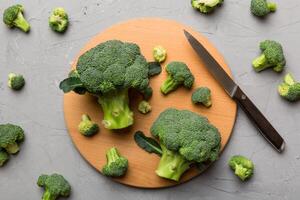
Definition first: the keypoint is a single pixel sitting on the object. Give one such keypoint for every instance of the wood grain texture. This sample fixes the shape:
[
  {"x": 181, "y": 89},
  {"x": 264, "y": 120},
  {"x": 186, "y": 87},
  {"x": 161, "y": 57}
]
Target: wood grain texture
[{"x": 147, "y": 33}]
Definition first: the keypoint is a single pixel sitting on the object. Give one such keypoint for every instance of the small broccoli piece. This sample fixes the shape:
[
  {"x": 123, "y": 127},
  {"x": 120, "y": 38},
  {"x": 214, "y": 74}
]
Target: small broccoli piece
[
  {"x": 202, "y": 95},
  {"x": 59, "y": 20},
  {"x": 10, "y": 137},
  {"x": 15, "y": 81},
  {"x": 261, "y": 8},
  {"x": 272, "y": 56},
  {"x": 206, "y": 6},
  {"x": 290, "y": 88},
  {"x": 144, "y": 107},
  {"x": 4, "y": 157},
  {"x": 13, "y": 17},
  {"x": 242, "y": 166},
  {"x": 159, "y": 54},
  {"x": 55, "y": 186},
  {"x": 116, "y": 165},
  {"x": 178, "y": 74},
  {"x": 108, "y": 71},
  {"x": 87, "y": 127},
  {"x": 185, "y": 138}
]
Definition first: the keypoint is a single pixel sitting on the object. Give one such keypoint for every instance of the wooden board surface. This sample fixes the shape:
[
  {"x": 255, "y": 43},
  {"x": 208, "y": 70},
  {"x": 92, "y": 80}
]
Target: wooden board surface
[{"x": 147, "y": 33}]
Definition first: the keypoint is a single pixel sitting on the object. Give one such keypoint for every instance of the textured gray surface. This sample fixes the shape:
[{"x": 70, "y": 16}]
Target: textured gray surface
[{"x": 44, "y": 58}]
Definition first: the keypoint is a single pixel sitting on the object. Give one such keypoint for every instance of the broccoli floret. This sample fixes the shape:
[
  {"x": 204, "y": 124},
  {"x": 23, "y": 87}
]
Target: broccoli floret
[
  {"x": 13, "y": 17},
  {"x": 242, "y": 166},
  {"x": 178, "y": 74},
  {"x": 59, "y": 20},
  {"x": 15, "y": 81},
  {"x": 290, "y": 88},
  {"x": 186, "y": 138},
  {"x": 4, "y": 157},
  {"x": 206, "y": 6},
  {"x": 144, "y": 107},
  {"x": 272, "y": 56},
  {"x": 261, "y": 8},
  {"x": 10, "y": 137},
  {"x": 116, "y": 165},
  {"x": 109, "y": 71},
  {"x": 202, "y": 95},
  {"x": 87, "y": 127},
  {"x": 55, "y": 186},
  {"x": 159, "y": 54}
]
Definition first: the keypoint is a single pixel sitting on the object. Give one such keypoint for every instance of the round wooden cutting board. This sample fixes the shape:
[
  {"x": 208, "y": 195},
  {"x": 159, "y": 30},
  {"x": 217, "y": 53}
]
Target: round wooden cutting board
[{"x": 147, "y": 33}]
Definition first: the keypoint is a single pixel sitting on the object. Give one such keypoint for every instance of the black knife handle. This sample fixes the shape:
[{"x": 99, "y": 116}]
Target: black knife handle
[{"x": 265, "y": 127}]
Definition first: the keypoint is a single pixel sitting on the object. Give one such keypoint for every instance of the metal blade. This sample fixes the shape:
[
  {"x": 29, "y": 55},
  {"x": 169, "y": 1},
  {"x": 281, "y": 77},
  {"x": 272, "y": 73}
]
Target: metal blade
[{"x": 212, "y": 65}]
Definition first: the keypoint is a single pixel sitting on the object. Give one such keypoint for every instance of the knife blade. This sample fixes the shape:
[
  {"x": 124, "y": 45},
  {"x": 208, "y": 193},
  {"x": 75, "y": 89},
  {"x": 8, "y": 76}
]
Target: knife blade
[{"x": 235, "y": 92}]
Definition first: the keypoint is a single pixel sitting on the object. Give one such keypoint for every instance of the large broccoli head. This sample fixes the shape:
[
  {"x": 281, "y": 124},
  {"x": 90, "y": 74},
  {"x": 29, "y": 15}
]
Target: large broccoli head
[
  {"x": 10, "y": 137},
  {"x": 178, "y": 74},
  {"x": 261, "y": 8},
  {"x": 13, "y": 17},
  {"x": 242, "y": 166},
  {"x": 116, "y": 165},
  {"x": 290, "y": 88},
  {"x": 206, "y": 6},
  {"x": 272, "y": 56},
  {"x": 185, "y": 138},
  {"x": 55, "y": 186},
  {"x": 108, "y": 71}
]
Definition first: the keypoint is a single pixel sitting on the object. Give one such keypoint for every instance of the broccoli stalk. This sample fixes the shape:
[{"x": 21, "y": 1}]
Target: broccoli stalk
[
  {"x": 4, "y": 157},
  {"x": 116, "y": 165},
  {"x": 116, "y": 111},
  {"x": 13, "y": 17},
  {"x": 169, "y": 85},
  {"x": 171, "y": 165}
]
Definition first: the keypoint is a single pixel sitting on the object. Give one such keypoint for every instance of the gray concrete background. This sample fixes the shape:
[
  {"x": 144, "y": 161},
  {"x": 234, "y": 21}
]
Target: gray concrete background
[{"x": 44, "y": 58}]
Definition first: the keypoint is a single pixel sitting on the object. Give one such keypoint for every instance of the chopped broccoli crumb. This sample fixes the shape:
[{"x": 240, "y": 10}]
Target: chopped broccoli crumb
[{"x": 15, "y": 81}]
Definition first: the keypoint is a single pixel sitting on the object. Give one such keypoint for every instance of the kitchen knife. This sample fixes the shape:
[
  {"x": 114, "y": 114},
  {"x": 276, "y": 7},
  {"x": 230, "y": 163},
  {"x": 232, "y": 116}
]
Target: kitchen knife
[{"x": 235, "y": 92}]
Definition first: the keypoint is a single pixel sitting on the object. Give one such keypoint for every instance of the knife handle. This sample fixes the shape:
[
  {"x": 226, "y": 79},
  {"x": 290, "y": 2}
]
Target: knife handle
[{"x": 264, "y": 126}]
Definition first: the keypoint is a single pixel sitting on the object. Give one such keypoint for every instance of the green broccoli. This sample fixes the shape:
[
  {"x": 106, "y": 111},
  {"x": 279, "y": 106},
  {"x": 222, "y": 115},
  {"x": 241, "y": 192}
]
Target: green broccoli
[
  {"x": 78, "y": 90},
  {"x": 185, "y": 138},
  {"x": 87, "y": 127},
  {"x": 10, "y": 137},
  {"x": 144, "y": 107},
  {"x": 55, "y": 186},
  {"x": 272, "y": 56},
  {"x": 206, "y": 6},
  {"x": 178, "y": 74},
  {"x": 242, "y": 166},
  {"x": 108, "y": 71},
  {"x": 261, "y": 8},
  {"x": 290, "y": 88},
  {"x": 13, "y": 17},
  {"x": 202, "y": 95},
  {"x": 4, "y": 157},
  {"x": 15, "y": 81},
  {"x": 116, "y": 165},
  {"x": 159, "y": 54},
  {"x": 59, "y": 20}
]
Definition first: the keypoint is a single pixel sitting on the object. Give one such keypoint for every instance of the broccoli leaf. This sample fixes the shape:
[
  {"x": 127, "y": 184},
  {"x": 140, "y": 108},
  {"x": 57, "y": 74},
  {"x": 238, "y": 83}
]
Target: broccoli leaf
[
  {"x": 147, "y": 143},
  {"x": 70, "y": 84},
  {"x": 154, "y": 68}
]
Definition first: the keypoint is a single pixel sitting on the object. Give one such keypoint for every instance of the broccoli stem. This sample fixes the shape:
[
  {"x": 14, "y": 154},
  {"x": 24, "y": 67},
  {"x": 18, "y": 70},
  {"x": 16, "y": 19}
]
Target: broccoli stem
[
  {"x": 21, "y": 23},
  {"x": 12, "y": 148},
  {"x": 260, "y": 63},
  {"x": 272, "y": 6},
  {"x": 112, "y": 155},
  {"x": 116, "y": 111},
  {"x": 48, "y": 196},
  {"x": 171, "y": 165},
  {"x": 169, "y": 85}
]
